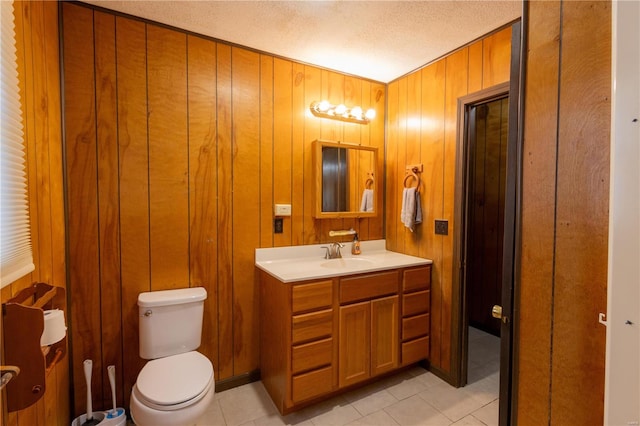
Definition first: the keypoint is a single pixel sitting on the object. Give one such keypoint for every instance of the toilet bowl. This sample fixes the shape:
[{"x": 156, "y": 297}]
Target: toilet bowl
[
  {"x": 174, "y": 390},
  {"x": 176, "y": 386}
]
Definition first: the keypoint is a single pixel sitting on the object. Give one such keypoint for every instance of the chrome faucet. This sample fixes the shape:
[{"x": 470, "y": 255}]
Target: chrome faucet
[{"x": 333, "y": 251}]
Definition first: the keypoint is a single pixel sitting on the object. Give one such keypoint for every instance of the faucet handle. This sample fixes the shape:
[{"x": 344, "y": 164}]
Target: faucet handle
[
  {"x": 327, "y": 254},
  {"x": 338, "y": 246}
]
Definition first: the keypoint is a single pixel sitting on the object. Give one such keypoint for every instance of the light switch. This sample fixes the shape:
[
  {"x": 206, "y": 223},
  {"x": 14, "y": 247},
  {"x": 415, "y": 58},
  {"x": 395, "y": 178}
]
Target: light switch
[{"x": 282, "y": 210}]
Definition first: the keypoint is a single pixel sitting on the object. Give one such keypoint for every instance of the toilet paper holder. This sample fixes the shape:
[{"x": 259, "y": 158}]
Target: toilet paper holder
[{"x": 23, "y": 324}]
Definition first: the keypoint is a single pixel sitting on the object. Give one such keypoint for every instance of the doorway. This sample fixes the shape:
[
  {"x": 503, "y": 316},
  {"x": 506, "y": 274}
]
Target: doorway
[{"x": 486, "y": 133}]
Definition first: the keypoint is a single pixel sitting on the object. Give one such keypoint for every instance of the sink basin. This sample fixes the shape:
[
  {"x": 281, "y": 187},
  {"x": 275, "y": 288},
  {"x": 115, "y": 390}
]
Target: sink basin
[{"x": 347, "y": 262}]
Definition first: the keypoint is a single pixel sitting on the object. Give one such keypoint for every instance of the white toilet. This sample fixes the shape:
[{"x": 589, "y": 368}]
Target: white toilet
[{"x": 177, "y": 385}]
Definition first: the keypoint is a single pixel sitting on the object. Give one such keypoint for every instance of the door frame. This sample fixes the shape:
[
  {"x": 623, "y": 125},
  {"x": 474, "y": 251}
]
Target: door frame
[{"x": 511, "y": 239}]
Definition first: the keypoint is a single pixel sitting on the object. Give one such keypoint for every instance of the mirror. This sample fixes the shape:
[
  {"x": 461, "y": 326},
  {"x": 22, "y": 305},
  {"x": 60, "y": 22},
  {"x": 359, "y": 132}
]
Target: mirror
[{"x": 345, "y": 180}]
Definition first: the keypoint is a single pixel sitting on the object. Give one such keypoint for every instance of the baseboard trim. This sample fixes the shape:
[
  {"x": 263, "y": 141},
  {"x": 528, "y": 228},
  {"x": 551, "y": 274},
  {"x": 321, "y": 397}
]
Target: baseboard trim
[{"x": 235, "y": 381}]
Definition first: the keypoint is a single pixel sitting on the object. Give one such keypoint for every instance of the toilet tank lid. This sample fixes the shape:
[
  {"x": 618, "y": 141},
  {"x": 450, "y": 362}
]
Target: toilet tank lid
[{"x": 171, "y": 297}]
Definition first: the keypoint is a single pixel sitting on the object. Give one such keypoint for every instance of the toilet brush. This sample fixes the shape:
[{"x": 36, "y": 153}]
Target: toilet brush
[
  {"x": 116, "y": 412},
  {"x": 88, "y": 367}
]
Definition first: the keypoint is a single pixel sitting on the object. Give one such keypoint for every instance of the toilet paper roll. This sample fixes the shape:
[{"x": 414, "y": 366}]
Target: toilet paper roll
[{"x": 54, "y": 327}]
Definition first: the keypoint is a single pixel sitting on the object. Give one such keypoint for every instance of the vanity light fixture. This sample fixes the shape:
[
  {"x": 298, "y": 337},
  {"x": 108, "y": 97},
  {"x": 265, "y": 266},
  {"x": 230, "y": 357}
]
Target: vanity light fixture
[{"x": 341, "y": 112}]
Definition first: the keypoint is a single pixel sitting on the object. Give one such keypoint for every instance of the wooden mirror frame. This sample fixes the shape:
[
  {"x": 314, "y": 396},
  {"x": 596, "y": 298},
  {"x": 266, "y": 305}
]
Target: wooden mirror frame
[{"x": 317, "y": 146}]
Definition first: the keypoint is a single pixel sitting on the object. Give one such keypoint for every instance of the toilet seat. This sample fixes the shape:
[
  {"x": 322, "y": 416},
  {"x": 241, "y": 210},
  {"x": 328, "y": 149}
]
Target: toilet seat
[{"x": 174, "y": 382}]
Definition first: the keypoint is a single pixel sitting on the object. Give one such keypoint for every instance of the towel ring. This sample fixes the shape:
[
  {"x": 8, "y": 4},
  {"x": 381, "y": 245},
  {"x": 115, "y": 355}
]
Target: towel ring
[
  {"x": 412, "y": 175},
  {"x": 368, "y": 183}
]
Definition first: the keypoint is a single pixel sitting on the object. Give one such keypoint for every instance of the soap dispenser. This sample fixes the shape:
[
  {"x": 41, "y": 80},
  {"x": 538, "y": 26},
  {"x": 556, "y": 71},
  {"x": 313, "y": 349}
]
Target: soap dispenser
[{"x": 355, "y": 247}]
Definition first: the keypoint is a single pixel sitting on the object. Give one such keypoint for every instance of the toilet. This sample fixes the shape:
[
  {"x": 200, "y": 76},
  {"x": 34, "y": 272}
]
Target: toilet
[{"x": 177, "y": 385}]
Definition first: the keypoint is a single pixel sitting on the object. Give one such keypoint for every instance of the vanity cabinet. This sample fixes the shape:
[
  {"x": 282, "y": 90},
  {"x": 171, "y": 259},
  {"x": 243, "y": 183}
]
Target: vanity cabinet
[
  {"x": 298, "y": 355},
  {"x": 368, "y": 329},
  {"x": 416, "y": 300},
  {"x": 321, "y": 336}
]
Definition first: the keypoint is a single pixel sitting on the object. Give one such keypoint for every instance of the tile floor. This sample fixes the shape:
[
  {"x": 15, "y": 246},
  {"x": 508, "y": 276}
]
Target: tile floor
[{"x": 412, "y": 397}]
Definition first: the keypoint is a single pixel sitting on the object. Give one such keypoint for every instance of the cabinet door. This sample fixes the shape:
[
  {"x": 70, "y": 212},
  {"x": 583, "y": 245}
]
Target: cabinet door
[
  {"x": 384, "y": 335},
  {"x": 355, "y": 343}
]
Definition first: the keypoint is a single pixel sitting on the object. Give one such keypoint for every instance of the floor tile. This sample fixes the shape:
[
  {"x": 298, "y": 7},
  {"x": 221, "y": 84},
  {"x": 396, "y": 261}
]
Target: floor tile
[
  {"x": 406, "y": 388},
  {"x": 455, "y": 403},
  {"x": 374, "y": 402},
  {"x": 415, "y": 411},
  {"x": 379, "y": 418},
  {"x": 488, "y": 414},
  {"x": 213, "y": 416},
  {"x": 411, "y": 397},
  {"x": 245, "y": 403},
  {"x": 468, "y": 421}
]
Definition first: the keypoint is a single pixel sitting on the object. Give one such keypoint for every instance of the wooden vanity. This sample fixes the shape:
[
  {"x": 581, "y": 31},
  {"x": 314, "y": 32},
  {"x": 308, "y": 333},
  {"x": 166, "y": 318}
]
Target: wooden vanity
[{"x": 319, "y": 337}]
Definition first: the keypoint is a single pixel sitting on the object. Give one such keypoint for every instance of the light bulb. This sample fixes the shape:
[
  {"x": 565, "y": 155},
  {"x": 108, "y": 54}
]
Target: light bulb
[
  {"x": 356, "y": 112},
  {"x": 341, "y": 109},
  {"x": 324, "y": 106},
  {"x": 370, "y": 114}
]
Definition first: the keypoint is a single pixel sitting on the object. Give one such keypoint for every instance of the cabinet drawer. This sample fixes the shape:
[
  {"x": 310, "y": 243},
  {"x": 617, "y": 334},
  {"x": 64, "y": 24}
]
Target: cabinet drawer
[
  {"x": 415, "y": 350},
  {"x": 311, "y": 384},
  {"x": 312, "y": 326},
  {"x": 415, "y": 326},
  {"x": 415, "y": 303},
  {"x": 416, "y": 279},
  {"x": 368, "y": 286},
  {"x": 307, "y": 297},
  {"x": 311, "y": 355}
]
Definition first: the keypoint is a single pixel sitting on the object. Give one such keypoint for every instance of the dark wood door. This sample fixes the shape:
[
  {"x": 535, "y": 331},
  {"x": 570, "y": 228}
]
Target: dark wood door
[{"x": 487, "y": 175}]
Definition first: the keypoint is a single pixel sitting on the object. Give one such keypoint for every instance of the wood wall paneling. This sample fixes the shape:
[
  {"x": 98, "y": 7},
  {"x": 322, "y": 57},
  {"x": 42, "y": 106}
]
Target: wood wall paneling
[
  {"x": 82, "y": 195},
  {"x": 37, "y": 51},
  {"x": 298, "y": 146},
  {"x": 90, "y": 180},
  {"x": 401, "y": 162},
  {"x": 476, "y": 58},
  {"x": 565, "y": 189},
  {"x": 538, "y": 219},
  {"x": 496, "y": 53},
  {"x": 312, "y": 92},
  {"x": 413, "y": 151},
  {"x": 192, "y": 143},
  {"x": 266, "y": 151},
  {"x": 392, "y": 186},
  {"x": 538, "y": 194},
  {"x": 477, "y": 66},
  {"x": 455, "y": 86},
  {"x": 168, "y": 158},
  {"x": 203, "y": 182},
  {"x": 225, "y": 248},
  {"x": 133, "y": 157},
  {"x": 108, "y": 200},
  {"x": 282, "y": 143},
  {"x": 580, "y": 287},
  {"x": 246, "y": 193}
]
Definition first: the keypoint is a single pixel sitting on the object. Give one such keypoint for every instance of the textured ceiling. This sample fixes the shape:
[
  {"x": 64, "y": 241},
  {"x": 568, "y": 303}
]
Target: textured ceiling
[{"x": 380, "y": 40}]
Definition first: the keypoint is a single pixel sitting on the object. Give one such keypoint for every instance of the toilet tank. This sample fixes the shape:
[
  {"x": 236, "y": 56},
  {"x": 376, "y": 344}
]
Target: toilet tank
[{"x": 170, "y": 321}]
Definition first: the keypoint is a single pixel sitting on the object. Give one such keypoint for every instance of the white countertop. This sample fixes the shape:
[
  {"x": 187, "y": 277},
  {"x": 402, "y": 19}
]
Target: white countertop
[{"x": 299, "y": 263}]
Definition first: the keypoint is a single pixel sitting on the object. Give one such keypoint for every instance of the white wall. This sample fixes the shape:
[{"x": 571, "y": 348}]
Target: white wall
[{"x": 622, "y": 381}]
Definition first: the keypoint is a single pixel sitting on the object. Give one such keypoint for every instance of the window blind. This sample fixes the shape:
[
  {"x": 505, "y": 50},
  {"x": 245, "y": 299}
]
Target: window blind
[{"x": 16, "y": 259}]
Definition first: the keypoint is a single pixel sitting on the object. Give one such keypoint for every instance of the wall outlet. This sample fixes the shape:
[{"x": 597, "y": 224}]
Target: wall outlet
[
  {"x": 442, "y": 227},
  {"x": 277, "y": 225},
  {"x": 282, "y": 210}
]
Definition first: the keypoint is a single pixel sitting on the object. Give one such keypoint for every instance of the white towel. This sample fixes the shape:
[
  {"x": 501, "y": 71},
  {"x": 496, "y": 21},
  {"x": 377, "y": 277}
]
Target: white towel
[
  {"x": 411, "y": 213},
  {"x": 367, "y": 201}
]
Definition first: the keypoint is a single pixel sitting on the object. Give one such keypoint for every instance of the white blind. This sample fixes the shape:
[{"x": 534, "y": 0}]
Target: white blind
[{"x": 15, "y": 239}]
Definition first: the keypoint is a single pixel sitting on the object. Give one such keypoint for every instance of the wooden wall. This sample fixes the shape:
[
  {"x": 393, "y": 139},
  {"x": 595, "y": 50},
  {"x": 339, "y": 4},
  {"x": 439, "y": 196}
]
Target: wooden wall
[
  {"x": 422, "y": 128},
  {"x": 565, "y": 213},
  {"x": 177, "y": 147},
  {"x": 38, "y": 67}
]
